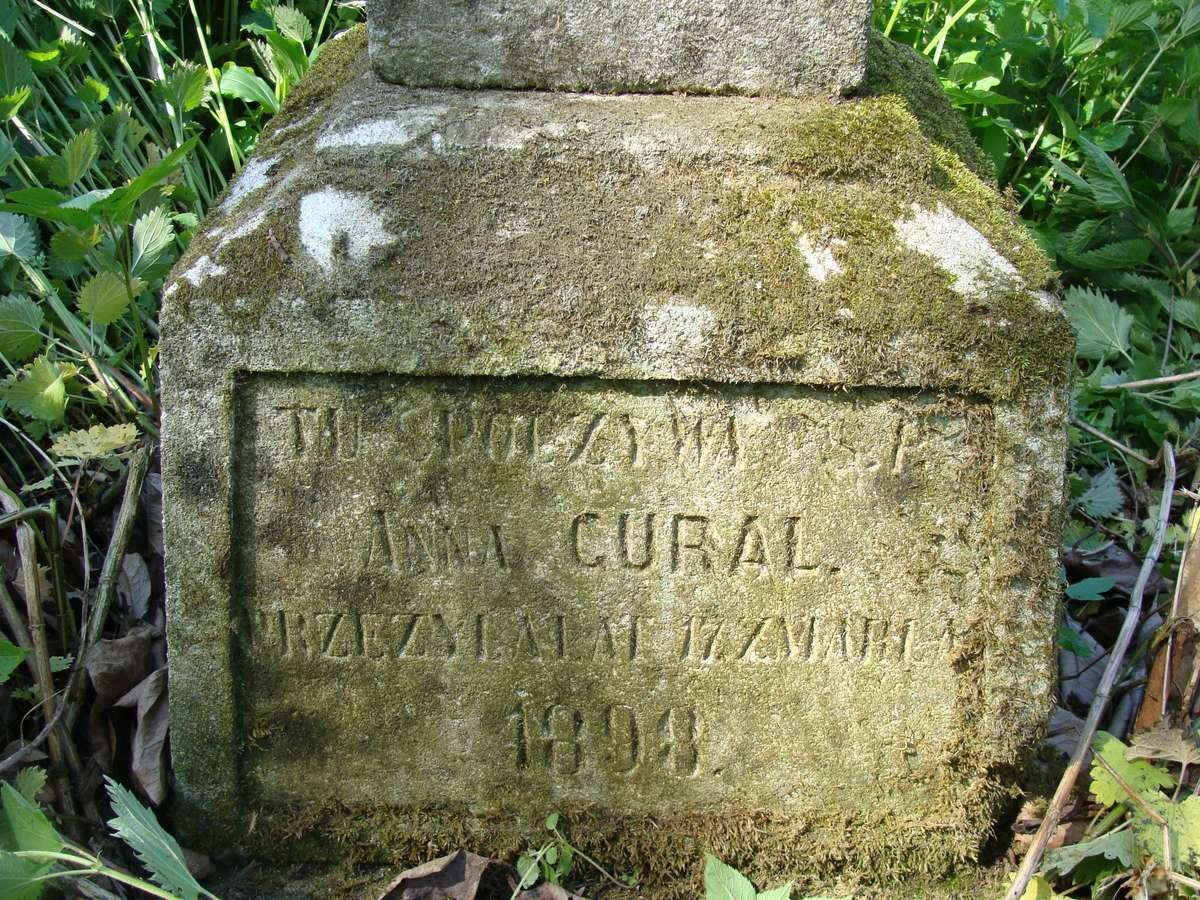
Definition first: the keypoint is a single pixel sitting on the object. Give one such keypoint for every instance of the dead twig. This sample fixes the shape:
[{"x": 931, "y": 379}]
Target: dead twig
[
  {"x": 111, "y": 569},
  {"x": 43, "y": 675},
  {"x": 1113, "y": 442},
  {"x": 93, "y": 628},
  {"x": 1033, "y": 857},
  {"x": 1152, "y": 382}
]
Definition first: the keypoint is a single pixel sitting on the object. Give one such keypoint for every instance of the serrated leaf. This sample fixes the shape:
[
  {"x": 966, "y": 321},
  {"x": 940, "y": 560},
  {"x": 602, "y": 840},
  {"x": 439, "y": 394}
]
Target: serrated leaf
[
  {"x": 104, "y": 298},
  {"x": 1101, "y": 326},
  {"x": 29, "y": 781},
  {"x": 723, "y": 882},
  {"x": 94, "y": 442},
  {"x": 1183, "y": 823},
  {"x": 20, "y": 328},
  {"x": 73, "y": 244},
  {"x": 1115, "y": 845},
  {"x": 158, "y": 851},
  {"x": 1140, "y": 776},
  {"x": 1106, "y": 180},
  {"x": 152, "y": 233},
  {"x": 75, "y": 160},
  {"x": 184, "y": 85},
  {"x": 1117, "y": 255},
  {"x": 1090, "y": 589},
  {"x": 25, "y": 827},
  {"x": 1103, "y": 496},
  {"x": 11, "y": 656},
  {"x": 1165, "y": 743},
  {"x": 15, "y": 71},
  {"x": 38, "y": 392},
  {"x": 17, "y": 237},
  {"x": 291, "y": 23},
  {"x": 92, "y": 91}
]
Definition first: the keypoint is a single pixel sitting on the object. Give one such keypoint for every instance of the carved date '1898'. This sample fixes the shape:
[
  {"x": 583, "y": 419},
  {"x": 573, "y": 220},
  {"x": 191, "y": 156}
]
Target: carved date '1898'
[{"x": 557, "y": 738}]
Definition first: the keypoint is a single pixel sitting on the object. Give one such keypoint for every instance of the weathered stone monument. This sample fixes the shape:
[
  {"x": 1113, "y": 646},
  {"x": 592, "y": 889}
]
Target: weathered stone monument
[{"x": 688, "y": 465}]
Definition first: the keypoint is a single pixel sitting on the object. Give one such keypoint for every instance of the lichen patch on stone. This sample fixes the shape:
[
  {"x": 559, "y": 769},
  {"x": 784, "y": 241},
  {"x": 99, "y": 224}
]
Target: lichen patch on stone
[
  {"x": 959, "y": 248},
  {"x": 255, "y": 175},
  {"x": 393, "y": 131},
  {"x": 330, "y": 216},
  {"x": 818, "y": 257},
  {"x": 201, "y": 269},
  {"x": 677, "y": 327}
]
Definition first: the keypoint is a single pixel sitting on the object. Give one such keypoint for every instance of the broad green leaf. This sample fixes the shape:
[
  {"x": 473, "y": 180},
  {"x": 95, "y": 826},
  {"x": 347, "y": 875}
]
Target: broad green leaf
[
  {"x": 29, "y": 781},
  {"x": 152, "y": 234},
  {"x": 73, "y": 245},
  {"x": 288, "y": 57},
  {"x": 157, "y": 850},
  {"x": 1090, "y": 589},
  {"x": 61, "y": 663},
  {"x": 38, "y": 392},
  {"x": 241, "y": 83},
  {"x": 94, "y": 442},
  {"x": 7, "y": 153},
  {"x": 92, "y": 91},
  {"x": 1101, "y": 326},
  {"x": 1183, "y": 823},
  {"x": 1140, "y": 776},
  {"x": 11, "y": 656},
  {"x": 527, "y": 869},
  {"x": 1103, "y": 496},
  {"x": 1181, "y": 221},
  {"x": 184, "y": 85},
  {"x": 25, "y": 827},
  {"x": 76, "y": 158},
  {"x": 18, "y": 877},
  {"x": 118, "y": 206},
  {"x": 291, "y": 23},
  {"x": 722, "y": 882},
  {"x": 1069, "y": 640},
  {"x": 17, "y": 237},
  {"x": 1117, "y": 255},
  {"x": 15, "y": 71},
  {"x": 1108, "y": 185},
  {"x": 1115, "y": 845},
  {"x": 20, "y": 328},
  {"x": 105, "y": 297}
]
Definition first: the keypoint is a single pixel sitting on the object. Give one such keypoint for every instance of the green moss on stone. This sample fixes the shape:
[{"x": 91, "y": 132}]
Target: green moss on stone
[{"x": 898, "y": 70}]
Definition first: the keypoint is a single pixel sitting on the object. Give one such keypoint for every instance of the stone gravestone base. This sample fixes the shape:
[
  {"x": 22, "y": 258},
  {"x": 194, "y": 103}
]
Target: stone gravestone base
[{"x": 688, "y": 466}]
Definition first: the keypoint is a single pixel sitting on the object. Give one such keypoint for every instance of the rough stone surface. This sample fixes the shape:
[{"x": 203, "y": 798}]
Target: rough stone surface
[
  {"x": 640, "y": 458},
  {"x": 780, "y": 47}
]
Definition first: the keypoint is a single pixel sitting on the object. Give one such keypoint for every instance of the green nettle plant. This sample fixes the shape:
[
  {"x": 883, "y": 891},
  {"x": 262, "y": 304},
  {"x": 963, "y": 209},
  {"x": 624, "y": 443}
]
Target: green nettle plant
[
  {"x": 114, "y": 140},
  {"x": 33, "y": 853}
]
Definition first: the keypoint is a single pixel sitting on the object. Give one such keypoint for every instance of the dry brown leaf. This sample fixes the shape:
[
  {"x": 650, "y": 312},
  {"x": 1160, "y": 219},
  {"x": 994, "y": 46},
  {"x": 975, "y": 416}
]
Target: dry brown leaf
[
  {"x": 149, "y": 698},
  {"x": 453, "y": 877},
  {"x": 1165, "y": 743},
  {"x": 115, "y": 666},
  {"x": 133, "y": 585}
]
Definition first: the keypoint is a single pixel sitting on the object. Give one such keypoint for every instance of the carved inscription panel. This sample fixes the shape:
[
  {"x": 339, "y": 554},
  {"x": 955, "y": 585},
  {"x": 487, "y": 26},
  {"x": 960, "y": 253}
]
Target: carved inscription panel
[{"x": 649, "y": 596}]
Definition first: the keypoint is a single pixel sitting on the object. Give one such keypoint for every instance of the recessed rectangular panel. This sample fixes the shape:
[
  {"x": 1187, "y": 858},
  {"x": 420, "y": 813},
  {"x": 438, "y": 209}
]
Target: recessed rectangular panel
[{"x": 645, "y": 596}]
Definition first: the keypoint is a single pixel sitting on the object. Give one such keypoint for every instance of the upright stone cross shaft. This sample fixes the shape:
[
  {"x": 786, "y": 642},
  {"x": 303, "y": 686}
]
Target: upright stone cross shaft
[{"x": 774, "y": 47}]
